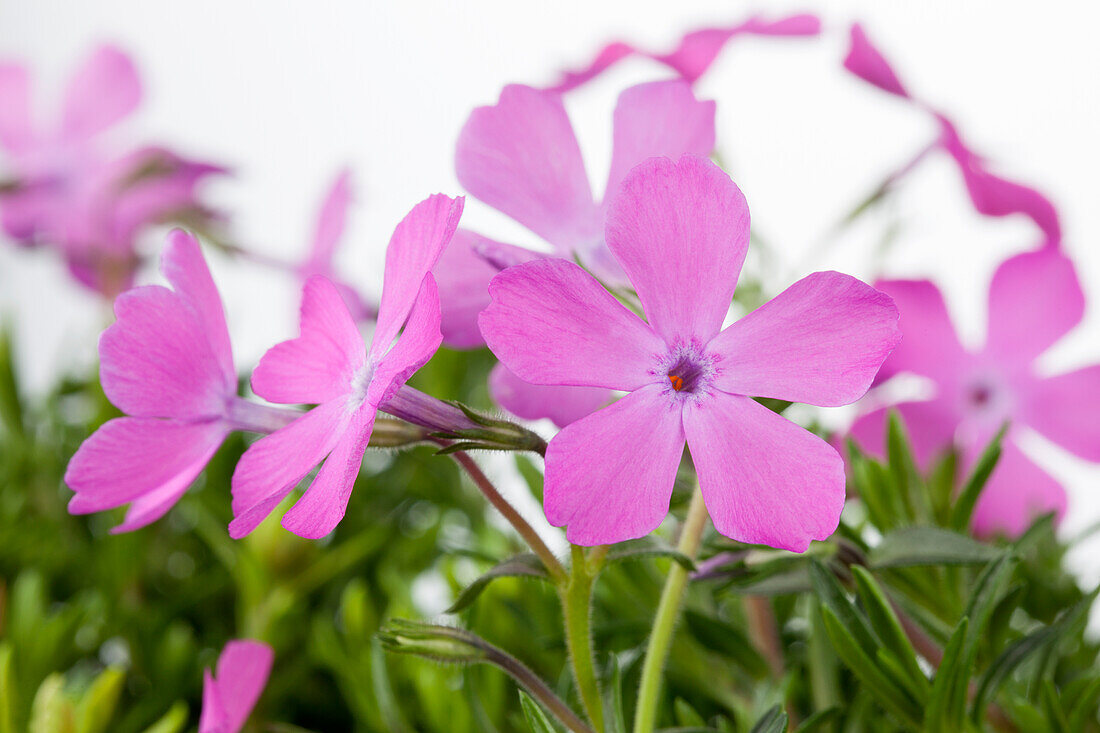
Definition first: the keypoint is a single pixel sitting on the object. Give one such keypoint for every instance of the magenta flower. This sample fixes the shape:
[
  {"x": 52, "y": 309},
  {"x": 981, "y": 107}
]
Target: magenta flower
[
  {"x": 68, "y": 190},
  {"x": 522, "y": 158},
  {"x": 696, "y": 51},
  {"x": 319, "y": 260},
  {"x": 167, "y": 363},
  {"x": 330, "y": 365},
  {"x": 229, "y": 695},
  {"x": 991, "y": 195},
  {"x": 1034, "y": 300},
  {"x": 680, "y": 231}
]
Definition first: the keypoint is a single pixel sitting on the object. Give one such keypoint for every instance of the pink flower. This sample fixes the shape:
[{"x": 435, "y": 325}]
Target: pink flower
[
  {"x": 522, "y": 158},
  {"x": 990, "y": 194},
  {"x": 696, "y": 51},
  {"x": 326, "y": 238},
  {"x": 167, "y": 363},
  {"x": 330, "y": 365},
  {"x": 680, "y": 231},
  {"x": 1034, "y": 300},
  {"x": 229, "y": 695},
  {"x": 70, "y": 191}
]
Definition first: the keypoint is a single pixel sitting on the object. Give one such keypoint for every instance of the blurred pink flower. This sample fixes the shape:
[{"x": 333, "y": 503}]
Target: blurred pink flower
[
  {"x": 695, "y": 52},
  {"x": 680, "y": 232},
  {"x": 329, "y": 365},
  {"x": 990, "y": 194},
  {"x": 229, "y": 694},
  {"x": 1034, "y": 300},
  {"x": 521, "y": 157},
  {"x": 68, "y": 189},
  {"x": 166, "y": 362},
  {"x": 319, "y": 259}
]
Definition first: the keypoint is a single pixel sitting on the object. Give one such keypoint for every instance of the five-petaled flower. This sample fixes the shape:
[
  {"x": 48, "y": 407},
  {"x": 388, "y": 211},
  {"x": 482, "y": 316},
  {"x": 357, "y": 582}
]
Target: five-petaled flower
[
  {"x": 680, "y": 230},
  {"x": 167, "y": 363},
  {"x": 1034, "y": 300},
  {"x": 329, "y": 365},
  {"x": 229, "y": 694}
]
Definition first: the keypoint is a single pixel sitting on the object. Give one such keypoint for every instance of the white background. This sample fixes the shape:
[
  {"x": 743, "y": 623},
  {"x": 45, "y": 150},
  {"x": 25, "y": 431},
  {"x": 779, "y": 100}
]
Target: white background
[{"x": 286, "y": 93}]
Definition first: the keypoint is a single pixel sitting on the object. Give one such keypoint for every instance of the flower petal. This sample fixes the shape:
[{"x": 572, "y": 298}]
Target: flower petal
[
  {"x": 158, "y": 359},
  {"x": 322, "y": 362},
  {"x": 868, "y": 63},
  {"x": 416, "y": 345},
  {"x": 16, "y": 123},
  {"x": 563, "y": 405},
  {"x": 930, "y": 424},
  {"x": 213, "y": 718},
  {"x": 820, "y": 341},
  {"x": 680, "y": 230},
  {"x": 659, "y": 118},
  {"x": 552, "y": 323},
  {"x": 1064, "y": 410},
  {"x": 323, "y": 505},
  {"x": 1017, "y": 493},
  {"x": 764, "y": 479},
  {"x": 1034, "y": 300},
  {"x": 184, "y": 266},
  {"x": 147, "y": 461},
  {"x": 609, "y": 476},
  {"x": 520, "y": 156},
  {"x": 463, "y": 274},
  {"x": 330, "y": 225},
  {"x": 273, "y": 465},
  {"x": 103, "y": 91},
  {"x": 929, "y": 346},
  {"x": 243, "y": 668},
  {"x": 415, "y": 247}
]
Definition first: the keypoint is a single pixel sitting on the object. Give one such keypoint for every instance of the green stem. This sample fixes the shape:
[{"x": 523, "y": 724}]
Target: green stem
[
  {"x": 668, "y": 611},
  {"x": 576, "y": 603}
]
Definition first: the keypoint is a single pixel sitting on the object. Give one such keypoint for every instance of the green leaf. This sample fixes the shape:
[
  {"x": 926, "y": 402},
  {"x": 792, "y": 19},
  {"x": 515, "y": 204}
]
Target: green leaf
[
  {"x": 946, "y": 704},
  {"x": 988, "y": 591},
  {"x": 886, "y": 625},
  {"x": 880, "y": 685},
  {"x": 1052, "y": 704},
  {"x": 1019, "y": 651},
  {"x": 972, "y": 489},
  {"x": 97, "y": 706},
  {"x": 817, "y": 720},
  {"x": 526, "y": 565},
  {"x": 773, "y": 721},
  {"x": 685, "y": 714},
  {"x": 536, "y": 718},
  {"x": 1084, "y": 707},
  {"x": 615, "y": 715},
  {"x": 648, "y": 547},
  {"x": 173, "y": 721},
  {"x": 11, "y": 408},
  {"x": 832, "y": 597},
  {"x": 903, "y": 469},
  {"x": 916, "y": 546},
  {"x": 50, "y": 711},
  {"x": 727, "y": 640}
]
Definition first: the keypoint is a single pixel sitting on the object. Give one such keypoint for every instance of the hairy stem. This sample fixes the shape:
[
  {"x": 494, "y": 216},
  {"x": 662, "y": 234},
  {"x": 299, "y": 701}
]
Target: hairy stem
[
  {"x": 576, "y": 603},
  {"x": 530, "y": 536},
  {"x": 668, "y": 611}
]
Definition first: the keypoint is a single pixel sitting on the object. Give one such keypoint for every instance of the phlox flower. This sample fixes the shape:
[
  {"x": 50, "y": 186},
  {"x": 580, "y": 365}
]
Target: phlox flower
[
  {"x": 990, "y": 194},
  {"x": 69, "y": 190},
  {"x": 1034, "y": 300},
  {"x": 521, "y": 157},
  {"x": 330, "y": 365},
  {"x": 695, "y": 52},
  {"x": 229, "y": 694},
  {"x": 166, "y": 362},
  {"x": 680, "y": 232}
]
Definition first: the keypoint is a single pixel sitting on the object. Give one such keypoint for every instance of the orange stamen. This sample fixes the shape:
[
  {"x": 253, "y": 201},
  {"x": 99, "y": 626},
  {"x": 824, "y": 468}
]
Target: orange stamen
[{"x": 677, "y": 382}]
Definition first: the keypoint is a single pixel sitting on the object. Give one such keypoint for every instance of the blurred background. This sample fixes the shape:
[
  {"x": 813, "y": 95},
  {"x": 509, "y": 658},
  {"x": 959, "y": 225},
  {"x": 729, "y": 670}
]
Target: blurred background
[{"x": 285, "y": 94}]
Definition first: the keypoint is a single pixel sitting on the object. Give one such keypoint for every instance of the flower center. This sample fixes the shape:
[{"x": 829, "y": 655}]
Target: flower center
[{"x": 687, "y": 368}]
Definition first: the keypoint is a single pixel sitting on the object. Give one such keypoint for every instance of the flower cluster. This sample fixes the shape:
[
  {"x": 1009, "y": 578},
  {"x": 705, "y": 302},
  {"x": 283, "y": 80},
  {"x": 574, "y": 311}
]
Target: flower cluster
[{"x": 621, "y": 331}]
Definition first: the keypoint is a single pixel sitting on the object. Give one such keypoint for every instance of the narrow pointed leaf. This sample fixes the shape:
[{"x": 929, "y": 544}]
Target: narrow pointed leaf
[
  {"x": 773, "y": 721},
  {"x": 537, "y": 722},
  {"x": 526, "y": 565},
  {"x": 917, "y": 546},
  {"x": 886, "y": 625},
  {"x": 979, "y": 476}
]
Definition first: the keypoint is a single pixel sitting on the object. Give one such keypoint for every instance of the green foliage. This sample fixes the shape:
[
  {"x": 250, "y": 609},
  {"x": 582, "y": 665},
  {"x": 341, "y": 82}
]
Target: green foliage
[{"x": 901, "y": 621}]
